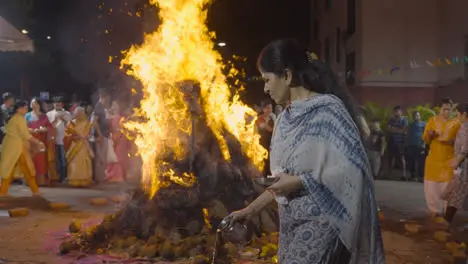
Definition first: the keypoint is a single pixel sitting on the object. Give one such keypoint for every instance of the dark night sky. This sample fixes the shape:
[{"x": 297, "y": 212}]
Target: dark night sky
[{"x": 245, "y": 25}]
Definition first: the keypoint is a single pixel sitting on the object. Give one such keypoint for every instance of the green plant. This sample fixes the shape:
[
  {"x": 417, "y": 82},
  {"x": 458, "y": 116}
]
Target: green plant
[
  {"x": 425, "y": 110},
  {"x": 373, "y": 111}
]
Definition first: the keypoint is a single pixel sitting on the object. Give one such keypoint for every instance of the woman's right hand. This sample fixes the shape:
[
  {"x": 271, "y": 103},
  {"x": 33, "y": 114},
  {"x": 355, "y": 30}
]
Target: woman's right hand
[
  {"x": 41, "y": 145},
  {"x": 237, "y": 217},
  {"x": 433, "y": 134}
]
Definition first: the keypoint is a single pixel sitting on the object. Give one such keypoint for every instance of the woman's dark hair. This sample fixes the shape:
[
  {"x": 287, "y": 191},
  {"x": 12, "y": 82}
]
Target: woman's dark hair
[
  {"x": 18, "y": 104},
  {"x": 37, "y": 100},
  {"x": 446, "y": 101},
  {"x": 462, "y": 108},
  {"x": 313, "y": 74},
  {"x": 6, "y": 97}
]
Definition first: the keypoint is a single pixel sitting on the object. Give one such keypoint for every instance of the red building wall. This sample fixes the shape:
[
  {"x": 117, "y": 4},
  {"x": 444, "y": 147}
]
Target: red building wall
[{"x": 409, "y": 96}]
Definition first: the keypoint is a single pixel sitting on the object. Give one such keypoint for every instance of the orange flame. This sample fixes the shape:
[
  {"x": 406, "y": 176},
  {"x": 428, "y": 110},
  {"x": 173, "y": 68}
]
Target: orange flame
[
  {"x": 206, "y": 217},
  {"x": 182, "y": 49}
]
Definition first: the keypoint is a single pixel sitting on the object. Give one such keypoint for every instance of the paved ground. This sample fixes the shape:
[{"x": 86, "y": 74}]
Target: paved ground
[{"x": 32, "y": 239}]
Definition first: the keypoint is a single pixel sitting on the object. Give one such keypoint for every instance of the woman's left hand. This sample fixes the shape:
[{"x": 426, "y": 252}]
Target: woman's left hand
[
  {"x": 454, "y": 163},
  {"x": 40, "y": 145},
  {"x": 286, "y": 184}
]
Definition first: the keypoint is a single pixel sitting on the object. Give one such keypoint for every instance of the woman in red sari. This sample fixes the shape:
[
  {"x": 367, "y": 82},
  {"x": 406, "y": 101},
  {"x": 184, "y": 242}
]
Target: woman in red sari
[{"x": 41, "y": 129}]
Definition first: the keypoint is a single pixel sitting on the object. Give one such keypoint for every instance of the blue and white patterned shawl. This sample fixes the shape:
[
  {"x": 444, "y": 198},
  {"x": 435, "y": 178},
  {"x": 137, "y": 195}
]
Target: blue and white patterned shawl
[{"x": 317, "y": 140}]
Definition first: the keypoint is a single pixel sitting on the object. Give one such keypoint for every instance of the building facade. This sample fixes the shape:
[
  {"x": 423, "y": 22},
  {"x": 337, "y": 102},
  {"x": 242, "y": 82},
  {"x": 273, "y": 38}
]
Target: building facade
[{"x": 403, "y": 52}]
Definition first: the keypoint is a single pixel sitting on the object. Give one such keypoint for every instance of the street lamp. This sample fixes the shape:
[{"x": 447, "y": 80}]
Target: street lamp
[
  {"x": 49, "y": 37},
  {"x": 24, "y": 31},
  {"x": 222, "y": 44}
]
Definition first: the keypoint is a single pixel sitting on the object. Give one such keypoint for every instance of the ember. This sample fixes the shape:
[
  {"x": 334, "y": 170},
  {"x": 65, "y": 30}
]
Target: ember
[{"x": 199, "y": 153}]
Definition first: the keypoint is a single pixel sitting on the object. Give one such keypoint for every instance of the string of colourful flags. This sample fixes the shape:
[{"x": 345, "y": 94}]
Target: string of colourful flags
[{"x": 391, "y": 70}]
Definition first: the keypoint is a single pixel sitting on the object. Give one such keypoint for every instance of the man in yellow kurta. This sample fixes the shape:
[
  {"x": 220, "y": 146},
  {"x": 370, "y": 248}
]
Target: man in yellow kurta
[
  {"x": 440, "y": 133},
  {"x": 15, "y": 151}
]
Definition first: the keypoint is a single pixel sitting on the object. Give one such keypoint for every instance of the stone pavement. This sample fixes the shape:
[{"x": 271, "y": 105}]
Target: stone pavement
[{"x": 400, "y": 202}]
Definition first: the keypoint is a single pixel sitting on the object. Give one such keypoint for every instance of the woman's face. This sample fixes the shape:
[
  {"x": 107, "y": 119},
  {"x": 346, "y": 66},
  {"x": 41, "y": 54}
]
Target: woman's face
[
  {"x": 35, "y": 105},
  {"x": 80, "y": 115},
  {"x": 46, "y": 107},
  {"x": 277, "y": 86},
  {"x": 89, "y": 109},
  {"x": 446, "y": 110},
  {"x": 268, "y": 109},
  {"x": 462, "y": 116}
]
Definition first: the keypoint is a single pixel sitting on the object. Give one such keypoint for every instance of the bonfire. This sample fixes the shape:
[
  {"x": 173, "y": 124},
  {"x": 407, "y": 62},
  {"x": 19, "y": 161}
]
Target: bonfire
[{"x": 198, "y": 147}]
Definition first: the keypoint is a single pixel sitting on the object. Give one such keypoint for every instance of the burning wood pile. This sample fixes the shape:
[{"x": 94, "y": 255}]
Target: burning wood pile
[
  {"x": 180, "y": 221},
  {"x": 199, "y": 149}
]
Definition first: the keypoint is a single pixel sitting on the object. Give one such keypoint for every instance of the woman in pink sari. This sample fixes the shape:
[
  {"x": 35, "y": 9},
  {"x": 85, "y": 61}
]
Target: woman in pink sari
[
  {"x": 117, "y": 154},
  {"x": 41, "y": 129}
]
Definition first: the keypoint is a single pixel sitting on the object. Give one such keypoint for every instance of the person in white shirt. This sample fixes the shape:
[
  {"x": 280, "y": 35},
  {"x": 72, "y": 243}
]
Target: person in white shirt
[{"x": 59, "y": 118}]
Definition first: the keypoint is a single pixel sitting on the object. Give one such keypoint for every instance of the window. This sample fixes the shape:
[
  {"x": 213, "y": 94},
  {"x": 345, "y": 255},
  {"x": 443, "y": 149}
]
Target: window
[
  {"x": 351, "y": 16},
  {"x": 316, "y": 29},
  {"x": 327, "y": 50},
  {"x": 338, "y": 45},
  {"x": 327, "y": 4},
  {"x": 351, "y": 69}
]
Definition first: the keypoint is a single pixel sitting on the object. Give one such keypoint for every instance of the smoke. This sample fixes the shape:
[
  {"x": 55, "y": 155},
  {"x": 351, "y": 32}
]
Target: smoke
[{"x": 92, "y": 35}]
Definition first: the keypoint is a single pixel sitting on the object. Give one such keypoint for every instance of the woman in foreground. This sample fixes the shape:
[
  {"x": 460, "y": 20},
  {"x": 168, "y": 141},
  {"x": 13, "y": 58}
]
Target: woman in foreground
[
  {"x": 324, "y": 191},
  {"x": 15, "y": 152}
]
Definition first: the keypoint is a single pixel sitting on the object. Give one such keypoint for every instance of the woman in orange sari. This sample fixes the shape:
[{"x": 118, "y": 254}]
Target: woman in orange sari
[
  {"x": 16, "y": 151},
  {"x": 79, "y": 154},
  {"x": 440, "y": 133},
  {"x": 41, "y": 129}
]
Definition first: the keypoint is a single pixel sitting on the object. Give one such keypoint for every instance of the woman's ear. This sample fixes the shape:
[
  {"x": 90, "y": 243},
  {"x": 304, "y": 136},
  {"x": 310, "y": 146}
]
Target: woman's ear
[{"x": 288, "y": 77}]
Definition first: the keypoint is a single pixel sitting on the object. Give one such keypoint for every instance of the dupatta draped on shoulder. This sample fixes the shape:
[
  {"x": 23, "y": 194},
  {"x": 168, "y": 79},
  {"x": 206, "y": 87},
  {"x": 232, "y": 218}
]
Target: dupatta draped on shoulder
[
  {"x": 74, "y": 146},
  {"x": 317, "y": 140},
  {"x": 79, "y": 154}
]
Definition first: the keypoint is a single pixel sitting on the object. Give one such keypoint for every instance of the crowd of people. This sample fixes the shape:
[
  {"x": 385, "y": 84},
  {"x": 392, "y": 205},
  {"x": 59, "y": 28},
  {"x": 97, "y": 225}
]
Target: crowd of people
[
  {"x": 46, "y": 144},
  {"x": 433, "y": 152},
  {"x": 400, "y": 144}
]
